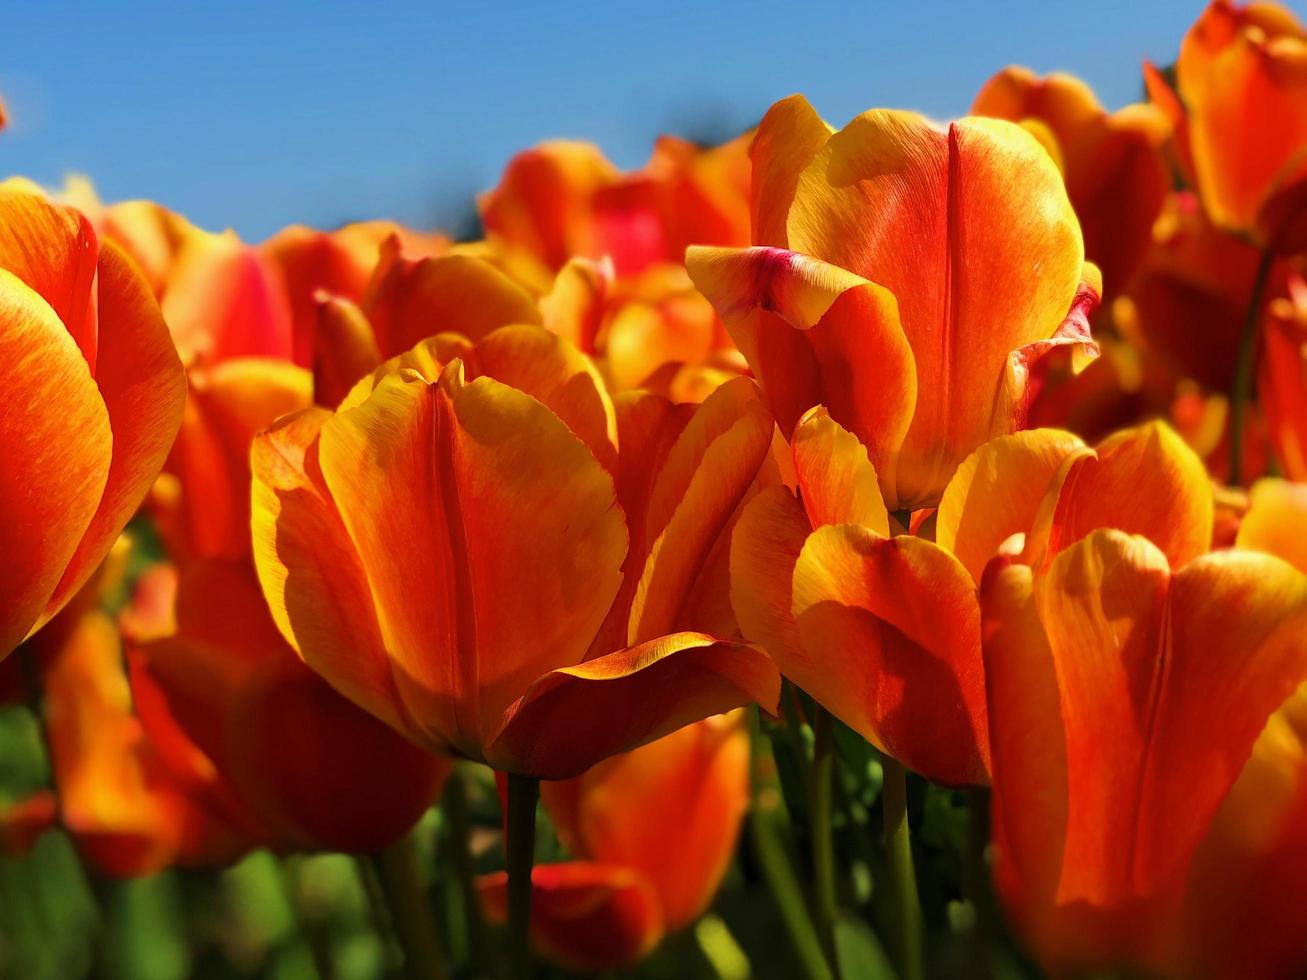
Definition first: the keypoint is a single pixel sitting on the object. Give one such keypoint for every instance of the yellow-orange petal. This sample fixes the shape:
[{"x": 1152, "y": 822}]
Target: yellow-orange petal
[
  {"x": 585, "y": 916},
  {"x": 765, "y": 546},
  {"x": 890, "y": 629},
  {"x": 57, "y": 444},
  {"x": 1276, "y": 521},
  {"x": 910, "y": 206},
  {"x": 837, "y": 482},
  {"x": 573, "y": 717},
  {"x": 408, "y": 301},
  {"x": 311, "y": 574},
  {"x": 996, "y": 493},
  {"x": 695, "y": 498},
  {"x": 789, "y": 136},
  {"x": 1145, "y": 481},
  {"x": 522, "y": 542}
]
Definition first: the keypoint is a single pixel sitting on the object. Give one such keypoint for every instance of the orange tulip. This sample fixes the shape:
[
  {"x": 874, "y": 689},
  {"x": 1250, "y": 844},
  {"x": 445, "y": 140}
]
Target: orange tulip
[
  {"x": 244, "y": 725},
  {"x": 491, "y": 639},
  {"x": 652, "y": 832},
  {"x": 563, "y": 200},
  {"x": 842, "y": 304},
  {"x": 1241, "y": 115},
  {"x": 1124, "y": 700},
  {"x": 338, "y": 262},
  {"x": 885, "y": 632},
  {"x": 1115, "y": 173},
  {"x": 93, "y": 398},
  {"x": 114, "y": 794},
  {"x": 1283, "y": 380}
]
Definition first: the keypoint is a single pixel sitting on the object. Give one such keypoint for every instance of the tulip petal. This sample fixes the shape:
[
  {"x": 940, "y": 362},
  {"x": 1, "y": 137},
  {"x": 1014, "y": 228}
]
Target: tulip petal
[
  {"x": 345, "y": 350},
  {"x": 585, "y": 916},
  {"x": 808, "y": 330},
  {"x": 54, "y": 251},
  {"x": 891, "y": 633},
  {"x": 408, "y": 301},
  {"x": 930, "y": 215},
  {"x": 1144, "y": 481},
  {"x": 1238, "y": 640},
  {"x": 573, "y": 717},
  {"x": 837, "y": 483},
  {"x": 312, "y": 577},
  {"x": 765, "y": 546},
  {"x": 56, "y": 440},
  {"x": 996, "y": 493},
  {"x": 521, "y": 542},
  {"x": 1276, "y": 521},
  {"x": 789, "y": 136},
  {"x": 720, "y": 467}
]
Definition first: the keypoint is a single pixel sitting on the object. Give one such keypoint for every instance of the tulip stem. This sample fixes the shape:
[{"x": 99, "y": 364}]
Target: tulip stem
[
  {"x": 768, "y": 845},
  {"x": 903, "y": 878},
  {"x": 819, "y": 814},
  {"x": 410, "y": 913},
  {"x": 1242, "y": 387},
  {"x": 523, "y": 794},
  {"x": 456, "y": 813}
]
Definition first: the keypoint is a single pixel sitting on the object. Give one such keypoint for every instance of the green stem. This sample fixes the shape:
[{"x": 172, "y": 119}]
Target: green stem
[
  {"x": 523, "y": 794},
  {"x": 1242, "y": 388},
  {"x": 310, "y": 930},
  {"x": 903, "y": 879},
  {"x": 410, "y": 912},
  {"x": 459, "y": 824},
  {"x": 823, "y": 854},
  {"x": 378, "y": 911},
  {"x": 769, "y": 850}
]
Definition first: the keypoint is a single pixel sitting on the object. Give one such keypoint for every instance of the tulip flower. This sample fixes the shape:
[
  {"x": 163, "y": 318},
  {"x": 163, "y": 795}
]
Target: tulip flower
[
  {"x": 884, "y": 632},
  {"x": 1102, "y": 671},
  {"x": 1241, "y": 116},
  {"x": 1283, "y": 387},
  {"x": 841, "y": 303},
  {"x": 239, "y": 720},
  {"x": 652, "y": 832},
  {"x": 113, "y": 793},
  {"x": 563, "y": 200},
  {"x": 93, "y": 399},
  {"x": 491, "y": 639},
  {"x": 1115, "y": 173}
]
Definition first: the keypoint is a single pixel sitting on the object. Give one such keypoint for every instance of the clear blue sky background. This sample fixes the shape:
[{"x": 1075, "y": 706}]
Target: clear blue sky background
[{"x": 257, "y": 115}]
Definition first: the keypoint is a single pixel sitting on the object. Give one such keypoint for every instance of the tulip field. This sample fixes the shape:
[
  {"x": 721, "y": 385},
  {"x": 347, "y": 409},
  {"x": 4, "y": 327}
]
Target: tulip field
[{"x": 868, "y": 550}]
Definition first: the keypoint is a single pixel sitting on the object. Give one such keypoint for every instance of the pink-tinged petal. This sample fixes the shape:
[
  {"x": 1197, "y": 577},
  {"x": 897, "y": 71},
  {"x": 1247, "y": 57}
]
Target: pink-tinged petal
[
  {"x": 890, "y": 631},
  {"x": 57, "y": 445},
  {"x": 815, "y": 334},
  {"x": 574, "y": 717}
]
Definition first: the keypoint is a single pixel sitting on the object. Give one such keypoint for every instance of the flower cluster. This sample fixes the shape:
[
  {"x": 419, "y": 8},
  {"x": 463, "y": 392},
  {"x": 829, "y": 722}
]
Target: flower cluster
[{"x": 822, "y": 474}]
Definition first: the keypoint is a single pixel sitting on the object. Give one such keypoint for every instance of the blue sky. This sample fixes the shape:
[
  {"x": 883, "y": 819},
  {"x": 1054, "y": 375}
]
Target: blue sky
[{"x": 258, "y": 115}]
